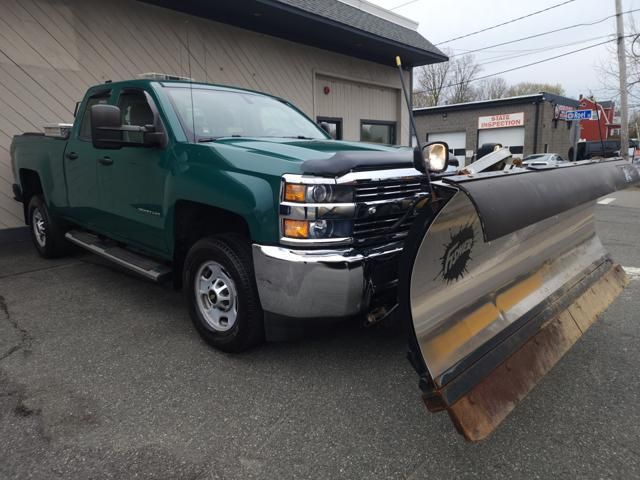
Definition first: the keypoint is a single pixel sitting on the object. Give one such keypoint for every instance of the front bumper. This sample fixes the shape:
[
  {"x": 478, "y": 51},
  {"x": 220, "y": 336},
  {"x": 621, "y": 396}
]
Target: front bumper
[{"x": 323, "y": 283}]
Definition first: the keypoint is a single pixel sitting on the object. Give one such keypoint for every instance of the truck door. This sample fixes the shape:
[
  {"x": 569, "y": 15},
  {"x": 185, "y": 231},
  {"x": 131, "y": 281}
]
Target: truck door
[
  {"x": 132, "y": 179},
  {"x": 80, "y": 166}
]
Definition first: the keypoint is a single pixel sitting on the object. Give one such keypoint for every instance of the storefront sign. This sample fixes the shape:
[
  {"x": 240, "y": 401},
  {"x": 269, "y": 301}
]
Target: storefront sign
[
  {"x": 560, "y": 112},
  {"x": 501, "y": 121}
]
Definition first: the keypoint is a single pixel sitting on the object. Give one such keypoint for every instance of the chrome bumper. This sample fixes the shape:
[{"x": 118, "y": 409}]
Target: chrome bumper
[{"x": 316, "y": 283}]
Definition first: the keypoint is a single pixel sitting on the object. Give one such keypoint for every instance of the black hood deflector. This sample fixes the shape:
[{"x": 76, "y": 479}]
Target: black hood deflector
[{"x": 355, "y": 161}]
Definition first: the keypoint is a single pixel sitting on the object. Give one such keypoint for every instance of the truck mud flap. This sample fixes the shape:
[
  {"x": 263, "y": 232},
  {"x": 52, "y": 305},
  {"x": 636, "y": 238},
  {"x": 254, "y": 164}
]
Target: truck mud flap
[{"x": 500, "y": 276}]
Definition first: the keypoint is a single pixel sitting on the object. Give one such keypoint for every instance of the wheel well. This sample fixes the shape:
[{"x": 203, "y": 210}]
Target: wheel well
[
  {"x": 31, "y": 185},
  {"x": 194, "y": 221}
]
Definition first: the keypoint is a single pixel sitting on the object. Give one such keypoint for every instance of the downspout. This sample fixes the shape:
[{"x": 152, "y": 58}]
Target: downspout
[{"x": 535, "y": 127}]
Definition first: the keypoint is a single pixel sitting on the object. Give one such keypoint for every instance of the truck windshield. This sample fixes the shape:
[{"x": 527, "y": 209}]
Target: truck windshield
[{"x": 221, "y": 113}]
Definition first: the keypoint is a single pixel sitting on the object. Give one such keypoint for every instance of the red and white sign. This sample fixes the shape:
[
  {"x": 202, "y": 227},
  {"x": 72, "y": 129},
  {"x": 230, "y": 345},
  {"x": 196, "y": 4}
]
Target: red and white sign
[{"x": 504, "y": 120}]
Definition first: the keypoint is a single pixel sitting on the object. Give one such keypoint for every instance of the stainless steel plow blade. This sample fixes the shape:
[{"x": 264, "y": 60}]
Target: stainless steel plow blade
[{"x": 499, "y": 279}]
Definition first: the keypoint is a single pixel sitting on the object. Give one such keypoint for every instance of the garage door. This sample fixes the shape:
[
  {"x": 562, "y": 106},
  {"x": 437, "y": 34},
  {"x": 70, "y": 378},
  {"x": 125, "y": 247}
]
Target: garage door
[
  {"x": 457, "y": 142},
  {"x": 509, "y": 137}
]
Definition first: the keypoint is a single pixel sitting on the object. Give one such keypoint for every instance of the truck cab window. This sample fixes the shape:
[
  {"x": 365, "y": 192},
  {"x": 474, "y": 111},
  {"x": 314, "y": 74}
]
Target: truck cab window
[
  {"x": 85, "y": 126},
  {"x": 134, "y": 110}
]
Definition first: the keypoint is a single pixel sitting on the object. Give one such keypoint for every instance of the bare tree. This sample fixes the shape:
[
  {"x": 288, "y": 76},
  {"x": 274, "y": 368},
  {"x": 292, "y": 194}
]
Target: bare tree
[
  {"x": 464, "y": 71},
  {"x": 490, "y": 88},
  {"x": 608, "y": 69},
  {"x": 525, "y": 88},
  {"x": 431, "y": 83}
]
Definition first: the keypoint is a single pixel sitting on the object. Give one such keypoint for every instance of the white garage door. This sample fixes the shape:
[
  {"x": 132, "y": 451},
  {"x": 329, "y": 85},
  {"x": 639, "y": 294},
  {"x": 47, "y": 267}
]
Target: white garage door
[
  {"x": 457, "y": 142},
  {"x": 509, "y": 137}
]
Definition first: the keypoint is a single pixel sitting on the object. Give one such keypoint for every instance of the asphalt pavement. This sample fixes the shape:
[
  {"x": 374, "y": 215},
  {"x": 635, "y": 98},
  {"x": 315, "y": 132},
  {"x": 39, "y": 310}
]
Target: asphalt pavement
[{"x": 103, "y": 376}]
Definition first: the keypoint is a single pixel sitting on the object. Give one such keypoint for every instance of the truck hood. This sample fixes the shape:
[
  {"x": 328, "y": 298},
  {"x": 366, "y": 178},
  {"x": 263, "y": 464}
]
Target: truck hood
[{"x": 313, "y": 157}]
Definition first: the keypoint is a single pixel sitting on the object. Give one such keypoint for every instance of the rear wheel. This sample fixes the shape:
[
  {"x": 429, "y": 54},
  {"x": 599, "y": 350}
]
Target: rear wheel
[
  {"x": 46, "y": 232},
  {"x": 221, "y": 293}
]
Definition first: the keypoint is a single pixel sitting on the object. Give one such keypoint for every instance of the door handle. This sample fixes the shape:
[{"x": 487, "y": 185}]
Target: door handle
[
  {"x": 72, "y": 155},
  {"x": 105, "y": 160}
]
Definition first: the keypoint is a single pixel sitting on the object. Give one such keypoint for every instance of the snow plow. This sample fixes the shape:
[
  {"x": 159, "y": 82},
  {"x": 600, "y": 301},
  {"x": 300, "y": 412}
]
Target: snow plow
[
  {"x": 501, "y": 273},
  {"x": 500, "y": 276}
]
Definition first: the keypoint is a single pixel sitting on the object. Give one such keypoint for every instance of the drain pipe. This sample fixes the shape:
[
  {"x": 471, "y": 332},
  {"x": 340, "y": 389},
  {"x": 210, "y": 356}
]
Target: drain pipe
[{"x": 535, "y": 127}]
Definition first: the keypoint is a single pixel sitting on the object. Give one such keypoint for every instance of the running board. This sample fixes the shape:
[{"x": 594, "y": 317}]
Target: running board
[{"x": 148, "y": 268}]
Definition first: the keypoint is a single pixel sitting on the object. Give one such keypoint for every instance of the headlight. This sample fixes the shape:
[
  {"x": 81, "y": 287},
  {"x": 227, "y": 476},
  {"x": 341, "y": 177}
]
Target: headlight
[
  {"x": 320, "y": 193},
  {"x": 316, "y": 212}
]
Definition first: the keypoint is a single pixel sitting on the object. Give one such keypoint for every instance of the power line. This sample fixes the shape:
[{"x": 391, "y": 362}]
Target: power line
[
  {"x": 403, "y": 4},
  {"x": 527, "y": 65},
  {"x": 507, "y": 22},
  {"x": 549, "y": 32},
  {"x": 503, "y": 58}
]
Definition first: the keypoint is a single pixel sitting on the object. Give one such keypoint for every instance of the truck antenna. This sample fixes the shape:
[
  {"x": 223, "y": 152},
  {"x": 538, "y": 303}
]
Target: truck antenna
[{"x": 417, "y": 152}]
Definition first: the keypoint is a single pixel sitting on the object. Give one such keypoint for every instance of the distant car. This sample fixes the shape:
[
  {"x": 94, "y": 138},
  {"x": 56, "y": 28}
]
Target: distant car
[{"x": 542, "y": 160}]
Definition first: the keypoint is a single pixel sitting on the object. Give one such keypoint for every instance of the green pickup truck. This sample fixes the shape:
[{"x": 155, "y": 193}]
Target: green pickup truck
[{"x": 236, "y": 196}]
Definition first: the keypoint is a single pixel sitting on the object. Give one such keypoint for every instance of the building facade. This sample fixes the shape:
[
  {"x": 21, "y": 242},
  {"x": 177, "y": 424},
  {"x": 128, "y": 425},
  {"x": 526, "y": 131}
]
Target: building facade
[
  {"x": 333, "y": 59},
  {"x": 604, "y": 124},
  {"x": 526, "y": 124}
]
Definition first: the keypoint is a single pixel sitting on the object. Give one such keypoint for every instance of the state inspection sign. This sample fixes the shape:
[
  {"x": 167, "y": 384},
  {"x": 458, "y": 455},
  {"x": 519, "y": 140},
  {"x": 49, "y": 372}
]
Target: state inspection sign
[{"x": 504, "y": 120}]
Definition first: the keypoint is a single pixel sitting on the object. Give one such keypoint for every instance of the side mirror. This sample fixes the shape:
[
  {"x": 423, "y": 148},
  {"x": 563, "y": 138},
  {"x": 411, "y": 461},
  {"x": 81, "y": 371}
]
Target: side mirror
[
  {"x": 105, "y": 127},
  {"x": 434, "y": 157}
]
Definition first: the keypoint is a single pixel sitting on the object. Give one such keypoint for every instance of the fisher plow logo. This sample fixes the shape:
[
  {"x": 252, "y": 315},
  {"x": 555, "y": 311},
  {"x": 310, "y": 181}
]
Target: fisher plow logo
[{"x": 457, "y": 254}]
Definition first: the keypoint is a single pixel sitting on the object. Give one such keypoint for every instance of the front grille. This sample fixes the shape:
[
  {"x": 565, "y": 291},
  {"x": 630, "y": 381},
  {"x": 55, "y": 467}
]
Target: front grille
[
  {"x": 379, "y": 229},
  {"x": 375, "y": 191},
  {"x": 382, "y": 226}
]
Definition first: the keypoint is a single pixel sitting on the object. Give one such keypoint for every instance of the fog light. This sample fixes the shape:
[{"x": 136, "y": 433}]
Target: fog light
[{"x": 296, "y": 228}]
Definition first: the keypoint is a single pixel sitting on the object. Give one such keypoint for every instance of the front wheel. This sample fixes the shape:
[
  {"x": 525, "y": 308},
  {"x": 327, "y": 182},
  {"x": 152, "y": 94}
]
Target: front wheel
[
  {"x": 221, "y": 293},
  {"x": 46, "y": 232}
]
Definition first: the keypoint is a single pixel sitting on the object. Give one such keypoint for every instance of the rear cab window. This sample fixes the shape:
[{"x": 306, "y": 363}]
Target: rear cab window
[{"x": 99, "y": 97}]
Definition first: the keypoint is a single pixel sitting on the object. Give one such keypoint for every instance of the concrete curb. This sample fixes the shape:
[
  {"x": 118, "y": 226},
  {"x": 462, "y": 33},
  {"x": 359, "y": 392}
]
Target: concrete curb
[{"x": 13, "y": 235}]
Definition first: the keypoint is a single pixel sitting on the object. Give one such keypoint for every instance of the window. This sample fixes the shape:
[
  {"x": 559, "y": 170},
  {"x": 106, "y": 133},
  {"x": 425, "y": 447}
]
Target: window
[
  {"x": 134, "y": 110},
  {"x": 335, "y": 126},
  {"x": 85, "y": 126},
  {"x": 378, "y": 132}
]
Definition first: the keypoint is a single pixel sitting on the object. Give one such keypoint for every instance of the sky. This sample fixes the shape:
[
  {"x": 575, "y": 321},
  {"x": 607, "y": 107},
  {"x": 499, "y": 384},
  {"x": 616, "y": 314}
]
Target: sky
[{"x": 579, "y": 73}]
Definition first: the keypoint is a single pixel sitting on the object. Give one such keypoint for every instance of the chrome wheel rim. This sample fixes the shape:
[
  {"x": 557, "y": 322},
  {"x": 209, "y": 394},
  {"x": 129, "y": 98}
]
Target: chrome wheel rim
[
  {"x": 216, "y": 296},
  {"x": 39, "y": 231}
]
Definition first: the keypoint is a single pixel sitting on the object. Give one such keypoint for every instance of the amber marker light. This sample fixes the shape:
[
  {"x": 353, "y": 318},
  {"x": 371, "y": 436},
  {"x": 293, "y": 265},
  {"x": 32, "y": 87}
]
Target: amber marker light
[
  {"x": 294, "y": 193},
  {"x": 296, "y": 228}
]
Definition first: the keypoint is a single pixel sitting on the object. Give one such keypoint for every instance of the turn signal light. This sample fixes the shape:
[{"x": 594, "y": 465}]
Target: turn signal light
[
  {"x": 294, "y": 193},
  {"x": 296, "y": 228}
]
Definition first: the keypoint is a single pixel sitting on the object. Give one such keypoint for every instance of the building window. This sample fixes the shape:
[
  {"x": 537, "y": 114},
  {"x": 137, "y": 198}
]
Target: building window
[
  {"x": 378, "y": 132},
  {"x": 335, "y": 126}
]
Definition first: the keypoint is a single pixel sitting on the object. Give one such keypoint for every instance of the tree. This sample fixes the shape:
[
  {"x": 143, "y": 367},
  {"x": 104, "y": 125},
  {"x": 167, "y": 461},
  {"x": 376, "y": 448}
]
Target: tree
[
  {"x": 446, "y": 82},
  {"x": 526, "y": 88},
  {"x": 431, "y": 82},
  {"x": 464, "y": 71},
  {"x": 490, "y": 88}
]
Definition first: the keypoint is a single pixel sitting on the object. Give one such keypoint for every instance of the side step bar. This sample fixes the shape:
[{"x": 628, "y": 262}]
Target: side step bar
[{"x": 148, "y": 268}]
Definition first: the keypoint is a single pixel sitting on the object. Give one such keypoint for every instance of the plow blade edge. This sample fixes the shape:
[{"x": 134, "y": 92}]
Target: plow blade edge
[{"x": 500, "y": 279}]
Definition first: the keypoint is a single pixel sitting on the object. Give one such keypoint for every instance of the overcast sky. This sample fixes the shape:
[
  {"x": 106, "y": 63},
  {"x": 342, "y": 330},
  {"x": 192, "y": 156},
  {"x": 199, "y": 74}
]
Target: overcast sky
[{"x": 441, "y": 20}]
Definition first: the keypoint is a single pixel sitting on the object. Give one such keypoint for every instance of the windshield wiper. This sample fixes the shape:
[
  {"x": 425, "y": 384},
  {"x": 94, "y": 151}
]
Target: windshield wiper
[{"x": 213, "y": 139}]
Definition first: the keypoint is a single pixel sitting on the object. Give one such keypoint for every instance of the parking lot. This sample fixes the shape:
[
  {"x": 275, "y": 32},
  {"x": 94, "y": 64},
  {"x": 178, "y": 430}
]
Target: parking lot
[{"x": 102, "y": 376}]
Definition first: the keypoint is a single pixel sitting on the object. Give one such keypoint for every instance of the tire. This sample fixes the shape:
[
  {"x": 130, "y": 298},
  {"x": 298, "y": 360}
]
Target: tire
[
  {"x": 221, "y": 293},
  {"x": 46, "y": 232}
]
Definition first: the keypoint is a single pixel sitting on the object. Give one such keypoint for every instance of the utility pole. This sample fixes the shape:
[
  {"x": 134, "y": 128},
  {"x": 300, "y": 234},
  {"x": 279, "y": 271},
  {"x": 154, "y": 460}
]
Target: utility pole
[{"x": 622, "y": 68}]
